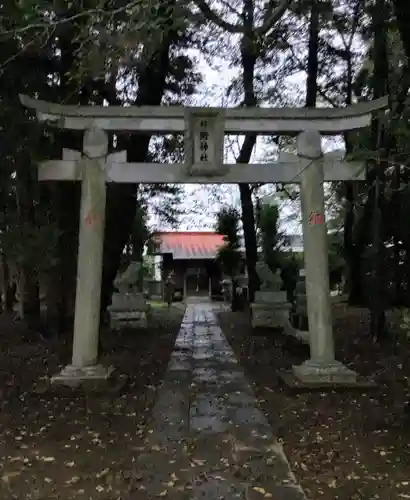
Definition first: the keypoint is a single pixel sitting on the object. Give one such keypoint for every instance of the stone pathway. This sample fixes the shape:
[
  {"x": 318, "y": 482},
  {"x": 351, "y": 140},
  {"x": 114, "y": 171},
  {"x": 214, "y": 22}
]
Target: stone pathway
[{"x": 208, "y": 440}]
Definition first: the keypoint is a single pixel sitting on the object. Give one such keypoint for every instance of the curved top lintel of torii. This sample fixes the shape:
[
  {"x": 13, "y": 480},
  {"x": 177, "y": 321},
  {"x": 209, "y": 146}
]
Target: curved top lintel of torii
[{"x": 163, "y": 119}]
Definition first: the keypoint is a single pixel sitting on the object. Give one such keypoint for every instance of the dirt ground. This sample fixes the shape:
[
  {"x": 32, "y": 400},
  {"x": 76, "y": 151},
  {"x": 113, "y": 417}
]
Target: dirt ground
[
  {"x": 79, "y": 445},
  {"x": 345, "y": 446}
]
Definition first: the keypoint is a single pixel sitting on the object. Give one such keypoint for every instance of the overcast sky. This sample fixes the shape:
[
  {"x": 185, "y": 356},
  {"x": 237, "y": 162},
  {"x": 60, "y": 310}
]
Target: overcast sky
[{"x": 204, "y": 201}]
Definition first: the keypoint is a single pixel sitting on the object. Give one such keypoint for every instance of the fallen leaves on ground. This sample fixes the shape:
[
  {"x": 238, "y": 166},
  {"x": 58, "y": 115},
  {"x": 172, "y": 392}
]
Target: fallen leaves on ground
[
  {"x": 68, "y": 443},
  {"x": 341, "y": 445}
]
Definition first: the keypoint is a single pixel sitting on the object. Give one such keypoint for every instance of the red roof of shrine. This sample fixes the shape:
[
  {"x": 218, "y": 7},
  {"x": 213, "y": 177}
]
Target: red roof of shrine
[{"x": 189, "y": 244}]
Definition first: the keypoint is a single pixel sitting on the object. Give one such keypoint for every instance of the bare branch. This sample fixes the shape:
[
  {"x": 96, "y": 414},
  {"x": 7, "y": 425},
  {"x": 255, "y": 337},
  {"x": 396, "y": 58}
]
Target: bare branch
[
  {"x": 302, "y": 67},
  {"x": 227, "y": 4},
  {"x": 272, "y": 16},
  {"x": 51, "y": 23},
  {"x": 212, "y": 16}
]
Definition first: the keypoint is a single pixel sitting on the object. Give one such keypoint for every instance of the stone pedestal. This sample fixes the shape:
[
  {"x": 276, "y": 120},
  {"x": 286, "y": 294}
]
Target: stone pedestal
[
  {"x": 74, "y": 376},
  {"x": 270, "y": 309},
  {"x": 331, "y": 372},
  {"x": 128, "y": 310}
]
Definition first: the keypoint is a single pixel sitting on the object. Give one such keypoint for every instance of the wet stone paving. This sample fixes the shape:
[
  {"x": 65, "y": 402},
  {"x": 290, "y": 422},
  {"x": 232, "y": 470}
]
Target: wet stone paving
[{"x": 207, "y": 439}]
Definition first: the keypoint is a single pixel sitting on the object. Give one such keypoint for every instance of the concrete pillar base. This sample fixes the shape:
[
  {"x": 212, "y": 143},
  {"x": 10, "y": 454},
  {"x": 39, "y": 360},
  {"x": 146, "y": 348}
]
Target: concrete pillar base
[
  {"x": 74, "y": 376},
  {"x": 330, "y": 372}
]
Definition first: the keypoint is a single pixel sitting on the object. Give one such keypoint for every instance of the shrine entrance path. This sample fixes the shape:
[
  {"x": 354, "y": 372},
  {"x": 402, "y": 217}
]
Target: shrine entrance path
[{"x": 207, "y": 438}]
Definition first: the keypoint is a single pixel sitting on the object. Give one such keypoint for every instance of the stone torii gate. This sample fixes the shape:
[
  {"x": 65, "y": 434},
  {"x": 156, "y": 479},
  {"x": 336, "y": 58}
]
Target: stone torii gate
[{"x": 204, "y": 130}]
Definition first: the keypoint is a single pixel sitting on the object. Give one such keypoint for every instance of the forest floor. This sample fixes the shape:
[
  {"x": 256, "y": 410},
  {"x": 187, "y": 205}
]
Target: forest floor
[
  {"x": 341, "y": 445},
  {"x": 67, "y": 444}
]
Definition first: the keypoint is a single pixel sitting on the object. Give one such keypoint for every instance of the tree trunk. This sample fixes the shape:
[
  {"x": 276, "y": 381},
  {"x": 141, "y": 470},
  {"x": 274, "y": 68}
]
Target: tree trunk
[
  {"x": 29, "y": 300},
  {"x": 29, "y": 290},
  {"x": 381, "y": 72},
  {"x": 362, "y": 239},
  {"x": 354, "y": 283},
  {"x": 121, "y": 199},
  {"x": 8, "y": 293},
  {"x": 402, "y": 11},
  {"x": 352, "y": 252},
  {"x": 65, "y": 197},
  {"x": 249, "y": 57},
  {"x": 57, "y": 311},
  {"x": 313, "y": 59},
  {"x": 249, "y": 230}
]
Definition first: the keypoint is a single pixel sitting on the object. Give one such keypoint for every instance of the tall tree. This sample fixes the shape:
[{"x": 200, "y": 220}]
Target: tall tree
[
  {"x": 402, "y": 11},
  {"x": 257, "y": 36},
  {"x": 152, "y": 70},
  {"x": 24, "y": 68},
  {"x": 313, "y": 56},
  {"x": 380, "y": 15}
]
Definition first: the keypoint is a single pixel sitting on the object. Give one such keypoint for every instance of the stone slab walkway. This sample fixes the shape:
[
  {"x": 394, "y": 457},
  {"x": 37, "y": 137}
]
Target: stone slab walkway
[{"x": 207, "y": 439}]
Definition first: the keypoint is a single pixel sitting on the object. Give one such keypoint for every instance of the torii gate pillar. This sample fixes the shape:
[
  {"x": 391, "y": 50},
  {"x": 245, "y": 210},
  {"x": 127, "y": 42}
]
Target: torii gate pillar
[
  {"x": 90, "y": 262},
  {"x": 322, "y": 366}
]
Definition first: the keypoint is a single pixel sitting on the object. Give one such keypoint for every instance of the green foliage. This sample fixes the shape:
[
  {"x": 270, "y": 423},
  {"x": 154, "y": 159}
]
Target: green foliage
[{"x": 227, "y": 224}]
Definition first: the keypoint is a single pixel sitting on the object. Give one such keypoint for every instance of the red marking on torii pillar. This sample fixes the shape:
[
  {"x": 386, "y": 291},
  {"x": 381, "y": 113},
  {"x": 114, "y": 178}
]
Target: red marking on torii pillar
[
  {"x": 91, "y": 218},
  {"x": 316, "y": 218}
]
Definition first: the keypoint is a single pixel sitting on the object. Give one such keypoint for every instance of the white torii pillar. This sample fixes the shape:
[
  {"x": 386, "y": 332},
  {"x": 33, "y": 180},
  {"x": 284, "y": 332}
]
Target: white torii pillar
[
  {"x": 322, "y": 365},
  {"x": 91, "y": 168}
]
